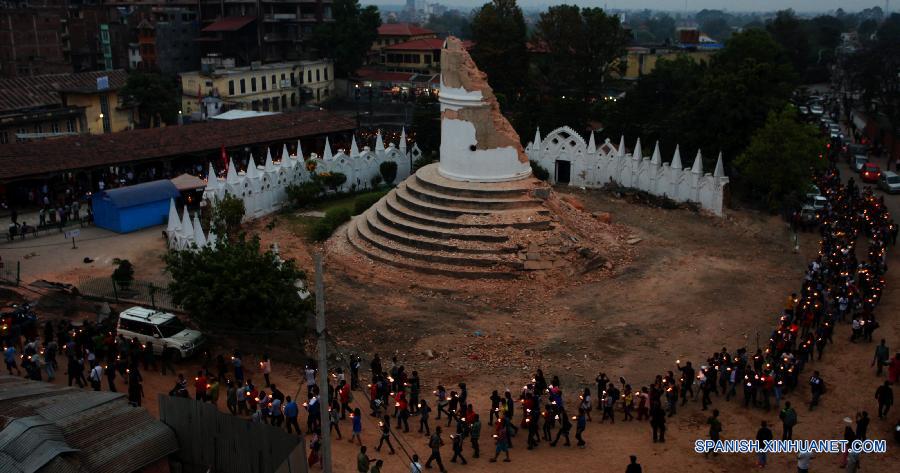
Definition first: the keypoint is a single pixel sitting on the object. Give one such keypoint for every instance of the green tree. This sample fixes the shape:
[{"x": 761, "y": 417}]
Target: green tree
[
  {"x": 450, "y": 23},
  {"x": 349, "y": 37},
  {"x": 500, "y": 36},
  {"x": 778, "y": 160},
  {"x": 156, "y": 97},
  {"x": 426, "y": 122},
  {"x": 237, "y": 285},
  {"x": 584, "y": 46},
  {"x": 874, "y": 70},
  {"x": 227, "y": 215},
  {"x": 123, "y": 275},
  {"x": 790, "y": 33},
  {"x": 388, "y": 170},
  {"x": 662, "y": 27}
]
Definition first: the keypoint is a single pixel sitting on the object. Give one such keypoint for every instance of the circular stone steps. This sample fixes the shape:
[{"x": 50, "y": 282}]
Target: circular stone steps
[{"x": 435, "y": 225}]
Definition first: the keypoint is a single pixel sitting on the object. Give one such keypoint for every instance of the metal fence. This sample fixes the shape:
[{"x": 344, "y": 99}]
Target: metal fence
[
  {"x": 10, "y": 272},
  {"x": 210, "y": 440},
  {"x": 147, "y": 293}
]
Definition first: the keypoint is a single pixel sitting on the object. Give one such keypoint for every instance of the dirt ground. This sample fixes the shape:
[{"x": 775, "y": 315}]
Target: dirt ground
[{"x": 693, "y": 285}]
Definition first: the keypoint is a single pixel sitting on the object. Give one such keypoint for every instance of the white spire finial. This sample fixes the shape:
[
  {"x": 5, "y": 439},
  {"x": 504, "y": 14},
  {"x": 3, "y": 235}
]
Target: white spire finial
[
  {"x": 620, "y": 152},
  {"x": 676, "y": 159},
  {"x": 354, "y": 148},
  {"x": 403, "y": 140},
  {"x": 232, "y": 177},
  {"x": 186, "y": 228},
  {"x": 285, "y": 154},
  {"x": 657, "y": 156},
  {"x": 537, "y": 138},
  {"x": 252, "y": 170},
  {"x": 720, "y": 167},
  {"x": 174, "y": 224},
  {"x": 697, "y": 168},
  {"x": 638, "y": 152},
  {"x": 199, "y": 239},
  {"x": 299, "y": 151},
  {"x": 270, "y": 165},
  {"x": 592, "y": 145},
  {"x": 379, "y": 143},
  {"x": 327, "y": 155}
]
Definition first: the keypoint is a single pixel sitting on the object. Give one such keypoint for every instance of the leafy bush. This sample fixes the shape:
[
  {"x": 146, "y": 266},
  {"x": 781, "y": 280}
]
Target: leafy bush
[
  {"x": 331, "y": 180},
  {"x": 539, "y": 171},
  {"x": 388, "y": 171},
  {"x": 212, "y": 284},
  {"x": 333, "y": 219},
  {"x": 227, "y": 215},
  {"x": 123, "y": 275},
  {"x": 305, "y": 193},
  {"x": 363, "y": 202}
]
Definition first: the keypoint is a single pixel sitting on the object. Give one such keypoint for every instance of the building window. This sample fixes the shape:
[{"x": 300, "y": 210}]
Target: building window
[
  {"x": 275, "y": 104},
  {"x": 293, "y": 100},
  {"x": 308, "y": 77},
  {"x": 255, "y": 105},
  {"x": 283, "y": 101},
  {"x": 428, "y": 59},
  {"x": 265, "y": 104},
  {"x": 253, "y": 84},
  {"x": 104, "y": 110},
  {"x": 301, "y": 77},
  {"x": 274, "y": 83},
  {"x": 21, "y": 131},
  {"x": 54, "y": 127},
  {"x": 231, "y": 87},
  {"x": 326, "y": 73},
  {"x": 318, "y": 75},
  {"x": 70, "y": 125},
  {"x": 243, "y": 87},
  {"x": 4, "y": 137},
  {"x": 264, "y": 86},
  {"x": 294, "y": 79}
]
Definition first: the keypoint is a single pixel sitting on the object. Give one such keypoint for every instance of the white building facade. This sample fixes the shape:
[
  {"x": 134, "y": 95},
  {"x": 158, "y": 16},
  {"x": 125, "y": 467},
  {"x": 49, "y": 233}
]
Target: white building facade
[{"x": 570, "y": 160}]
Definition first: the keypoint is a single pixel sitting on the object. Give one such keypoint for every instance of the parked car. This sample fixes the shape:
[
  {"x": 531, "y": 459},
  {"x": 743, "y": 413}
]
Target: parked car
[
  {"x": 816, "y": 109},
  {"x": 889, "y": 182},
  {"x": 165, "y": 330},
  {"x": 804, "y": 110},
  {"x": 816, "y": 201},
  {"x": 870, "y": 172},
  {"x": 859, "y": 161}
]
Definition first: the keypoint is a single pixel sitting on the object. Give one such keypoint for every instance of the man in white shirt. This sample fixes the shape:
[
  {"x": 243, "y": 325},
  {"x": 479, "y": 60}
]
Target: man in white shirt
[
  {"x": 415, "y": 466},
  {"x": 95, "y": 376},
  {"x": 803, "y": 459}
]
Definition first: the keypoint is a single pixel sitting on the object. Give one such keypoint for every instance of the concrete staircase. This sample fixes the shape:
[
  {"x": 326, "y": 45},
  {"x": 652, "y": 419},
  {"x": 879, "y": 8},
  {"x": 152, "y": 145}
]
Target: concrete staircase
[{"x": 439, "y": 226}]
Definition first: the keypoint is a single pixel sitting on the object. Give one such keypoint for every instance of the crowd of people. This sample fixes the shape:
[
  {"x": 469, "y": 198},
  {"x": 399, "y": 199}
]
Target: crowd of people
[{"x": 839, "y": 289}]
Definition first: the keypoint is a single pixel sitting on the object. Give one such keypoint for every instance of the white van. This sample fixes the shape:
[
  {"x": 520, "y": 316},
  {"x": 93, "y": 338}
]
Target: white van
[{"x": 163, "y": 329}]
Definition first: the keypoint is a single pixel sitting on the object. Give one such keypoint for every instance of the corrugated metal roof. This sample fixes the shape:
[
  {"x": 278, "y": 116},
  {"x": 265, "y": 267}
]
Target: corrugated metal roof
[
  {"x": 140, "y": 194},
  {"x": 70, "y": 430},
  {"x": 44, "y": 90}
]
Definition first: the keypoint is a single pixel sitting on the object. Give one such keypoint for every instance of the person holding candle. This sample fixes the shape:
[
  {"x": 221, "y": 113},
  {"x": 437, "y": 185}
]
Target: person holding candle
[
  {"x": 475, "y": 434},
  {"x": 658, "y": 423},
  {"x": 266, "y": 367},
  {"x": 435, "y": 444},
  {"x": 580, "y": 425},
  {"x": 357, "y": 426},
  {"x": 565, "y": 426},
  {"x": 385, "y": 426},
  {"x": 231, "y": 397},
  {"x": 200, "y": 386},
  {"x": 424, "y": 414}
]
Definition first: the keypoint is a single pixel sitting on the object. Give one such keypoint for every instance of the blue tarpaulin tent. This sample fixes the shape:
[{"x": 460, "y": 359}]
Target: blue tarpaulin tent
[{"x": 131, "y": 208}]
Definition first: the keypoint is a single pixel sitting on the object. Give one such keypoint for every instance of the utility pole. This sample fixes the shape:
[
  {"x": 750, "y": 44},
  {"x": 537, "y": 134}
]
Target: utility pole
[{"x": 324, "y": 405}]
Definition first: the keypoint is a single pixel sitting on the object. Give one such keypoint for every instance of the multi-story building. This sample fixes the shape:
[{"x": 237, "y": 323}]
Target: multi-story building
[
  {"x": 53, "y": 105},
  {"x": 167, "y": 41},
  {"x": 57, "y": 37},
  {"x": 420, "y": 56},
  {"x": 279, "y": 30},
  {"x": 390, "y": 34},
  {"x": 260, "y": 87}
]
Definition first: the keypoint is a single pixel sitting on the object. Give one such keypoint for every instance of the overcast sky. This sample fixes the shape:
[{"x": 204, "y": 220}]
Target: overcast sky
[{"x": 679, "y": 5}]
